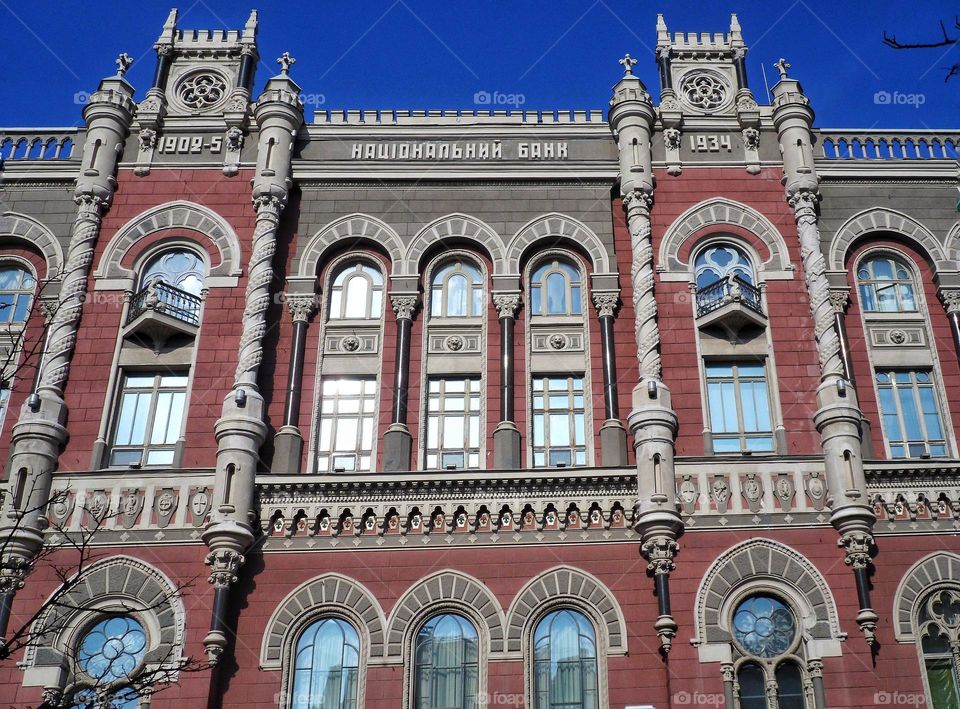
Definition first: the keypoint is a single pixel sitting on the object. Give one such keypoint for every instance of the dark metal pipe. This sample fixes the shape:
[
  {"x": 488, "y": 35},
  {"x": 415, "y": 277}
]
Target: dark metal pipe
[
  {"x": 662, "y": 582},
  {"x": 218, "y": 619},
  {"x": 506, "y": 368},
  {"x": 163, "y": 66},
  {"x": 663, "y": 64},
  {"x": 741, "y": 68},
  {"x": 245, "y": 75},
  {"x": 863, "y": 587},
  {"x": 295, "y": 374},
  {"x": 402, "y": 372},
  {"x": 609, "y": 367}
]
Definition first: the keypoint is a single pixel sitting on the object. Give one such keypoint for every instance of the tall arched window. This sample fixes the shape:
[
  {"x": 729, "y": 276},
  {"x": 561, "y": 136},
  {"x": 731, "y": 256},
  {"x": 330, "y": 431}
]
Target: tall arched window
[
  {"x": 456, "y": 291},
  {"x": 357, "y": 292},
  {"x": 565, "y": 662},
  {"x": 17, "y": 285},
  {"x": 720, "y": 262},
  {"x": 181, "y": 268},
  {"x": 446, "y": 664},
  {"x": 555, "y": 289},
  {"x": 765, "y": 633},
  {"x": 327, "y": 666},
  {"x": 938, "y": 628},
  {"x": 886, "y": 286}
]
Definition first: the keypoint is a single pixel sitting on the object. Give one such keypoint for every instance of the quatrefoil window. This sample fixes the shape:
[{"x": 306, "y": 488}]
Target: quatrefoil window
[
  {"x": 704, "y": 91},
  {"x": 201, "y": 90}
]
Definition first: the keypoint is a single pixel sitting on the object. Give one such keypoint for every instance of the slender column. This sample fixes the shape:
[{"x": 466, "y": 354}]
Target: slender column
[
  {"x": 951, "y": 304},
  {"x": 838, "y": 418},
  {"x": 397, "y": 441},
  {"x": 39, "y": 433},
  {"x": 288, "y": 443},
  {"x": 652, "y": 420},
  {"x": 506, "y": 436},
  {"x": 613, "y": 436},
  {"x": 815, "y": 670},
  {"x": 240, "y": 430},
  {"x": 729, "y": 683}
]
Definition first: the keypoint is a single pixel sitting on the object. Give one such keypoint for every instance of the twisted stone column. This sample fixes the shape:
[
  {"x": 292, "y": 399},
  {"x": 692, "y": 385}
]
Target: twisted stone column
[{"x": 637, "y": 205}]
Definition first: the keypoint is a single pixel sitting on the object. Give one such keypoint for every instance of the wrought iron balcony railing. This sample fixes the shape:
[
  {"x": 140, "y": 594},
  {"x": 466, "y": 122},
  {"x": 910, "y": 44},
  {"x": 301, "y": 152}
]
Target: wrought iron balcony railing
[
  {"x": 728, "y": 290},
  {"x": 163, "y": 298}
]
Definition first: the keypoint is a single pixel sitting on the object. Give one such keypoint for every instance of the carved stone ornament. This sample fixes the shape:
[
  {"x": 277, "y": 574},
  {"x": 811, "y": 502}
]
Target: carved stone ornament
[
  {"x": 234, "y": 139},
  {"x": 301, "y": 307},
  {"x": 721, "y": 493},
  {"x": 751, "y": 138},
  {"x": 950, "y": 300},
  {"x": 404, "y": 305},
  {"x": 671, "y": 138},
  {"x": 98, "y": 505},
  {"x": 148, "y": 139},
  {"x": 201, "y": 90},
  {"x": 558, "y": 341},
  {"x": 660, "y": 552},
  {"x": 131, "y": 502},
  {"x": 606, "y": 304},
  {"x": 856, "y": 548},
  {"x": 454, "y": 343},
  {"x": 350, "y": 343},
  {"x": 123, "y": 62},
  {"x": 688, "y": 495},
  {"x": 784, "y": 490},
  {"x": 669, "y": 104},
  {"x": 817, "y": 490},
  {"x": 898, "y": 337},
  {"x": 747, "y": 103},
  {"x": 703, "y": 90},
  {"x": 839, "y": 299},
  {"x": 165, "y": 505},
  {"x": 61, "y": 505},
  {"x": 507, "y": 304},
  {"x": 753, "y": 491},
  {"x": 199, "y": 506},
  {"x": 150, "y": 104},
  {"x": 224, "y": 565}
]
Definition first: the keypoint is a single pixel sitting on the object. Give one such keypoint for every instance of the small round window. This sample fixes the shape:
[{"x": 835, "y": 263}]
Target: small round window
[
  {"x": 764, "y": 626},
  {"x": 112, "y": 649}
]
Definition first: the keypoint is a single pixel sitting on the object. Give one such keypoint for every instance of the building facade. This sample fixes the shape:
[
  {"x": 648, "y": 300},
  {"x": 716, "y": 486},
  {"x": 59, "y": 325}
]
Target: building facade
[{"x": 475, "y": 409}]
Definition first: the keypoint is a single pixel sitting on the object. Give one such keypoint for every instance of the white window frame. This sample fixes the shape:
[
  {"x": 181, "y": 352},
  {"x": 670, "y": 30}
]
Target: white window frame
[
  {"x": 571, "y": 412},
  {"x": 742, "y": 435},
  {"x": 367, "y": 395},
  {"x": 471, "y": 394},
  {"x": 146, "y": 447}
]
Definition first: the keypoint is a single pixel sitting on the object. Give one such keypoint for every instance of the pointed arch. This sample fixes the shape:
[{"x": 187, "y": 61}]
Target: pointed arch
[
  {"x": 881, "y": 219},
  {"x": 329, "y": 594},
  {"x": 19, "y": 226},
  {"x": 719, "y": 212},
  {"x": 445, "y": 590},
  {"x": 765, "y": 565},
  {"x": 178, "y": 214},
  {"x": 578, "y": 589},
  {"x": 351, "y": 227},
  {"x": 554, "y": 226},
  {"x": 459, "y": 227},
  {"x": 933, "y": 571}
]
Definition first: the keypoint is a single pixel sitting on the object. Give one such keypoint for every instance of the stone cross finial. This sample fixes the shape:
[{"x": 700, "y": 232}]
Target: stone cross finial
[
  {"x": 123, "y": 62},
  {"x": 286, "y": 61},
  {"x": 628, "y": 63},
  {"x": 782, "y": 67}
]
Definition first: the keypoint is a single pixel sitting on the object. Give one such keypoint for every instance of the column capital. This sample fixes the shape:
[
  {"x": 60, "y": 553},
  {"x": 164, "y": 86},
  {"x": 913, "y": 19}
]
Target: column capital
[
  {"x": 660, "y": 552},
  {"x": 301, "y": 307},
  {"x": 639, "y": 200},
  {"x": 950, "y": 298},
  {"x": 856, "y": 548},
  {"x": 405, "y": 304},
  {"x": 507, "y": 304},
  {"x": 840, "y": 299},
  {"x": 224, "y": 565},
  {"x": 606, "y": 303}
]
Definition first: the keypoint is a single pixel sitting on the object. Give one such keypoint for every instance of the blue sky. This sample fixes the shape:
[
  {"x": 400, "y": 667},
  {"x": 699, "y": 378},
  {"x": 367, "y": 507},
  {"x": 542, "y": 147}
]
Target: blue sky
[{"x": 534, "y": 54}]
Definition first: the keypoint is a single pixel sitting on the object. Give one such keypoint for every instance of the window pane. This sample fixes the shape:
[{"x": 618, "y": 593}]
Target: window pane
[
  {"x": 752, "y": 687},
  {"x": 556, "y": 294},
  {"x": 356, "y": 297},
  {"x": 456, "y": 295},
  {"x": 789, "y": 686},
  {"x": 453, "y": 432},
  {"x": 943, "y": 683}
]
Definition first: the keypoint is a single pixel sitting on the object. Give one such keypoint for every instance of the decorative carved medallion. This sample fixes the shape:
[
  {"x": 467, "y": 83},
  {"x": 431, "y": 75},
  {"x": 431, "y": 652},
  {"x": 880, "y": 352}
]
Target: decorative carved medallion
[
  {"x": 201, "y": 90},
  {"x": 785, "y": 490},
  {"x": 558, "y": 341},
  {"x": 199, "y": 506},
  {"x": 131, "y": 502},
  {"x": 753, "y": 491},
  {"x": 703, "y": 91},
  {"x": 817, "y": 489},
  {"x": 165, "y": 504}
]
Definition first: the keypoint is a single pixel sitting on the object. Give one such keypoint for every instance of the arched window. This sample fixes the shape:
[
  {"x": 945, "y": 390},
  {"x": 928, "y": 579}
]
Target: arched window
[
  {"x": 456, "y": 291},
  {"x": 327, "y": 666},
  {"x": 565, "y": 662},
  {"x": 720, "y": 262},
  {"x": 356, "y": 292},
  {"x": 110, "y": 653},
  {"x": 886, "y": 286},
  {"x": 938, "y": 628},
  {"x": 765, "y": 631},
  {"x": 555, "y": 289},
  {"x": 181, "y": 268},
  {"x": 16, "y": 293},
  {"x": 446, "y": 664}
]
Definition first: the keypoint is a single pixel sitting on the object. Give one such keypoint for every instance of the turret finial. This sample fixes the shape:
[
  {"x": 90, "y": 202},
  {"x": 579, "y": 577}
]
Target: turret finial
[
  {"x": 286, "y": 61},
  {"x": 782, "y": 67},
  {"x": 123, "y": 62},
  {"x": 628, "y": 63}
]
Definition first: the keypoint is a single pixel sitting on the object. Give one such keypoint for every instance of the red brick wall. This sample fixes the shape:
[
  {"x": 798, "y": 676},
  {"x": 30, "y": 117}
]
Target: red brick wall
[
  {"x": 219, "y": 337},
  {"x": 789, "y": 317}
]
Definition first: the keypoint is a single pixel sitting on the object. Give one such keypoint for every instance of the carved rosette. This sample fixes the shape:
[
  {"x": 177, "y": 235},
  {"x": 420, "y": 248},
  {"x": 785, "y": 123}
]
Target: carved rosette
[
  {"x": 224, "y": 565},
  {"x": 258, "y": 287},
  {"x": 637, "y": 205},
  {"x": 606, "y": 304},
  {"x": 804, "y": 204},
  {"x": 63, "y": 328},
  {"x": 404, "y": 305},
  {"x": 301, "y": 307},
  {"x": 507, "y": 304}
]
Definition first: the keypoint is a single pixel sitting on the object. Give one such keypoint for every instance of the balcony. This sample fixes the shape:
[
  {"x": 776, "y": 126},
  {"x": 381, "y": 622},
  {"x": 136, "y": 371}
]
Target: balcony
[
  {"x": 730, "y": 302},
  {"x": 159, "y": 311}
]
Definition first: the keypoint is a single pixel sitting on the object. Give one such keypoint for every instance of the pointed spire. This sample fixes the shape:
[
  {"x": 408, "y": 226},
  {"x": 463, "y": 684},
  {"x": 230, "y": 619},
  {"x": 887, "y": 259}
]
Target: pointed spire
[
  {"x": 736, "y": 35},
  {"x": 663, "y": 36},
  {"x": 250, "y": 29},
  {"x": 169, "y": 31}
]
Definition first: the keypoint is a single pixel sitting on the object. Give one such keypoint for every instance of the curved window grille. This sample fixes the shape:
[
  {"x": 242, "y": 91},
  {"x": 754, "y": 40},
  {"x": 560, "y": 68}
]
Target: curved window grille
[
  {"x": 180, "y": 268},
  {"x": 886, "y": 286},
  {"x": 565, "y": 662},
  {"x": 327, "y": 666},
  {"x": 765, "y": 631},
  {"x": 555, "y": 289},
  {"x": 939, "y": 633},
  {"x": 446, "y": 664},
  {"x": 357, "y": 293},
  {"x": 722, "y": 261},
  {"x": 16, "y": 293},
  {"x": 456, "y": 291},
  {"x": 110, "y": 653}
]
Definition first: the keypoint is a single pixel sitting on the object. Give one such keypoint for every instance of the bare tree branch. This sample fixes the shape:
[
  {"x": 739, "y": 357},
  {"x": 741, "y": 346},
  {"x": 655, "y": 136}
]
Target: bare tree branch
[{"x": 891, "y": 40}]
